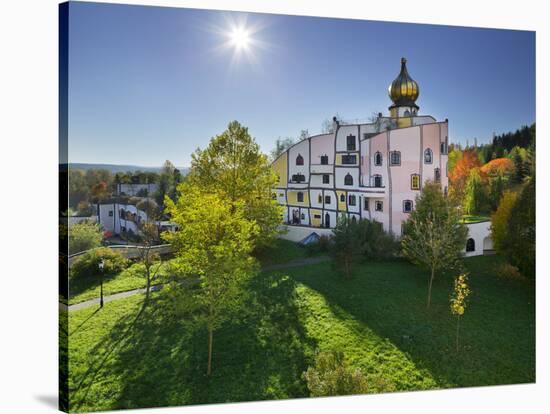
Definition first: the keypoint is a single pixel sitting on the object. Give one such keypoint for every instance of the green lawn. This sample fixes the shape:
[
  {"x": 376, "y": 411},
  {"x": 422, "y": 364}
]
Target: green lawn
[
  {"x": 471, "y": 219},
  {"x": 85, "y": 288},
  {"x": 378, "y": 319}
]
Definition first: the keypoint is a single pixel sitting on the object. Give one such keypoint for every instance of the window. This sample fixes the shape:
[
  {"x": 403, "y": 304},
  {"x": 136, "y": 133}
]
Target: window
[
  {"x": 324, "y": 159},
  {"x": 428, "y": 156},
  {"x": 470, "y": 245},
  {"x": 351, "y": 200},
  {"x": 378, "y": 158},
  {"x": 281, "y": 194},
  {"x": 298, "y": 178},
  {"x": 407, "y": 206},
  {"x": 366, "y": 204},
  {"x": 274, "y": 196},
  {"x": 327, "y": 199},
  {"x": 378, "y": 181},
  {"x": 326, "y": 179},
  {"x": 348, "y": 179},
  {"x": 300, "y": 197},
  {"x": 437, "y": 172},
  {"x": 110, "y": 213},
  {"x": 303, "y": 216},
  {"x": 395, "y": 158},
  {"x": 407, "y": 113},
  {"x": 378, "y": 206},
  {"x": 320, "y": 199},
  {"x": 342, "y": 198},
  {"x": 350, "y": 142},
  {"x": 415, "y": 182},
  {"x": 299, "y": 160},
  {"x": 349, "y": 159},
  {"x": 317, "y": 216}
]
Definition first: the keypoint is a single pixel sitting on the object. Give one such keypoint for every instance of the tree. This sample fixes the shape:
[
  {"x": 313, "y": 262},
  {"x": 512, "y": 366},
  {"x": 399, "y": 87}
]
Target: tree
[
  {"x": 84, "y": 236},
  {"x": 99, "y": 192},
  {"x": 458, "y": 300},
  {"x": 346, "y": 247},
  {"x": 499, "y": 222},
  {"x": 233, "y": 167},
  {"x": 521, "y": 248},
  {"x": 332, "y": 375},
  {"x": 496, "y": 190},
  {"x": 281, "y": 145},
  {"x": 459, "y": 175},
  {"x": 475, "y": 194},
  {"x": 304, "y": 134},
  {"x": 434, "y": 235},
  {"x": 149, "y": 232},
  {"x": 168, "y": 180},
  {"x": 213, "y": 248}
]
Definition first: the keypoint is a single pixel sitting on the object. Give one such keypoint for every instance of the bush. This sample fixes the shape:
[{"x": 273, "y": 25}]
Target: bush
[
  {"x": 84, "y": 236},
  {"x": 331, "y": 375},
  {"x": 510, "y": 272},
  {"x": 320, "y": 246},
  {"x": 87, "y": 265}
]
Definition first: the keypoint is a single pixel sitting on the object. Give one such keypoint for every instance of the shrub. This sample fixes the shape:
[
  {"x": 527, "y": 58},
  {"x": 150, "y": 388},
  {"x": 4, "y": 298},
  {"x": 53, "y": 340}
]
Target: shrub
[
  {"x": 84, "y": 236},
  {"x": 510, "y": 272},
  {"x": 331, "y": 375},
  {"x": 87, "y": 265}
]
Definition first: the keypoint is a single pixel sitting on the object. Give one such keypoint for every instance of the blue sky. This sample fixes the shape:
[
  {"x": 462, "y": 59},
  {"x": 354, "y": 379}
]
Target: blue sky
[{"x": 148, "y": 84}]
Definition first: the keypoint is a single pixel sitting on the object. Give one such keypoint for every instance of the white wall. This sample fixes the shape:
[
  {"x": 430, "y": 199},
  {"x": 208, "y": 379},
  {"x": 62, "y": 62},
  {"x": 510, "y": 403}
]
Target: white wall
[{"x": 481, "y": 233}]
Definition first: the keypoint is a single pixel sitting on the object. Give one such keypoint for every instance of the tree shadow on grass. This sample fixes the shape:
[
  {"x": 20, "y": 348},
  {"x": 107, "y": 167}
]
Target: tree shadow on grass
[
  {"x": 497, "y": 332},
  {"x": 259, "y": 354}
]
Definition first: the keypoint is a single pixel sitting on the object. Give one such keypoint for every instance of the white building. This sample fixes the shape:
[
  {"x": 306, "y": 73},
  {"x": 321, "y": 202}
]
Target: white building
[
  {"x": 143, "y": 190},
  {"x": 372, "y": 171}
]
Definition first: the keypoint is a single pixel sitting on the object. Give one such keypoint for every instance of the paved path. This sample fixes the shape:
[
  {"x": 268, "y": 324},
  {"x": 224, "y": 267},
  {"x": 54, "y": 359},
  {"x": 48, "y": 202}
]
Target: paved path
[{"x": 108, "y": 298}]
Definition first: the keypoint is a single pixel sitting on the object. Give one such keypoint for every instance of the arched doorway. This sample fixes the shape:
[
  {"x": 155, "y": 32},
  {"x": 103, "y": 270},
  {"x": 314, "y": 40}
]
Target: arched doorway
[
  {"x": 488, "y": 247},
  {"x": 470, "y": 245},
  {"x": 327, "y": 220}
]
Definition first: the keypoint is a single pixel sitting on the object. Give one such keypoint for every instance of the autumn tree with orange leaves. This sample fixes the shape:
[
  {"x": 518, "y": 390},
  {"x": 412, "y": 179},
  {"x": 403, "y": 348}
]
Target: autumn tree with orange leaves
[{"x": 459, "y": 175}]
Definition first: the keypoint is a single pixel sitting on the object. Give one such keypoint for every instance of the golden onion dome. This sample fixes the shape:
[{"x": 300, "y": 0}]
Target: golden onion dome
[{"x": 404, "y": 90}]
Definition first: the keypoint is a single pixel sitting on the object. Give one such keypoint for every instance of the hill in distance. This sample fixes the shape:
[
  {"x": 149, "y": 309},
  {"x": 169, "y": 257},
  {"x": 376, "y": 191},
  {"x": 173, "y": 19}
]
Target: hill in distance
[{"x": 114, "y": 168}]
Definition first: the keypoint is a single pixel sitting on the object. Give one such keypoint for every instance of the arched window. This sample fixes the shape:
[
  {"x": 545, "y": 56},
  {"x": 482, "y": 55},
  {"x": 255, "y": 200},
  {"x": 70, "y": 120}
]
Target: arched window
[
  {"x": 300, "y": 197},
  {"x": 395, "y": 158},
  {"x": 351, "y": 200},
  {"x": 415, "y": 182},
  {"x": 324, "y": 159},
  {"x": 378, "y": 158},
  {"x": 470, "y": 245},
  {"x": 378, "y": 180},
  {"x": 407, "y": 206},
  {"x": 407, "y": 113},
  {"x": 428, "y": 156},
  {"x": 437, "y": 175},
  {"x": 348, "y": 179},
  {"x": 299, "y": 160},
  {"x": 354, "y": 219}
]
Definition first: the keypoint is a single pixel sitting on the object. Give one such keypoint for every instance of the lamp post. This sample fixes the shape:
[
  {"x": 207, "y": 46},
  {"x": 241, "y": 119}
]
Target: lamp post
[{"x": 101, "y": 267}]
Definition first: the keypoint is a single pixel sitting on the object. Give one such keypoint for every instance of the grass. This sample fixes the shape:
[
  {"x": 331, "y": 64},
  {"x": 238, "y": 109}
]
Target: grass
[
  {"x": 83, "y": 289},
  {"x": 378, "y": 319},
  {"x": 471, "y": 219},
  {"x": 86, "y": 288}
]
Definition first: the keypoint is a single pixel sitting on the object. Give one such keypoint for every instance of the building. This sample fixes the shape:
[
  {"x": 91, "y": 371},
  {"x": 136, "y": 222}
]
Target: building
[
  {"x": 371, "y": 170},
  {"x": 136, "y": 189}
]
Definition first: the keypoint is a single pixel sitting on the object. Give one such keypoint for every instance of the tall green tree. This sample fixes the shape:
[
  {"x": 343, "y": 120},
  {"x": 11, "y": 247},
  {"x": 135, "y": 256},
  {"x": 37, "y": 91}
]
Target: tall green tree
[
  {"x": 233, "y": 167},
  {"x": 522, "y": 231},
  {"x": 213, "y": 253},
  {"x": 475, "y": 195},
  {"x": 346, "y": 247},
  {"x": 434, "y": 235}
]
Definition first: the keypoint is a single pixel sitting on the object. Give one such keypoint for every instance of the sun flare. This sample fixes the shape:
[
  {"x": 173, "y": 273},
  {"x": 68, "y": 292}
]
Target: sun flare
[{"x": 240, "y": 38}]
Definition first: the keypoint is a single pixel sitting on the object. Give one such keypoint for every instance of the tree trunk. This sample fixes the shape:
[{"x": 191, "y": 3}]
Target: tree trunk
[
  {"x": 148, "y": 285},
  {"x": 430, "y": 287},
  {"x": 457, "y": 330},
  {"x": 210, "y": 337}
]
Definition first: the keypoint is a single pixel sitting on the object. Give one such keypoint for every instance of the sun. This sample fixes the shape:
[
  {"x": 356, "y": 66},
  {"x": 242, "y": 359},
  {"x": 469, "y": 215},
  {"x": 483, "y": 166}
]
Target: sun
[{"x": 239, "y": 38}]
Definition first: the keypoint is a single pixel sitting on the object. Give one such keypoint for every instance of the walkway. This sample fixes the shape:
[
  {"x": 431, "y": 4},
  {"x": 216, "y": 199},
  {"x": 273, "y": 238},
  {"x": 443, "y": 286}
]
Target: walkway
[{"x": 86, "y": 304}]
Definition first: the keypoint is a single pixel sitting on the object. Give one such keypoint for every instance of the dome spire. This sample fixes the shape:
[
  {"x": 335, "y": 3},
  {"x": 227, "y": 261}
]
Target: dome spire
[{"x": 404, "y": 90}]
